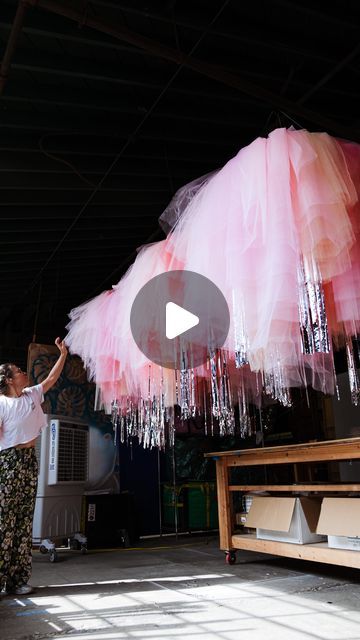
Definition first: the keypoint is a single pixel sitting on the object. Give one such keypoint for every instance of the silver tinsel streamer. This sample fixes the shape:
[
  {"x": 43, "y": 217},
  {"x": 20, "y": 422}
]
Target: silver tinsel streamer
[
  {"x": 244, "y": 417},
  {"x": 205, "y": 411},
  {"x": 227, "y": 417},
  {"x": 215, "y": 404},
  {"x": 153, "y": 423},
  {"x": 353, "y": 371},
  {"x": 185, "y": 392},
  {"x": 337, "y": 391},
  {"x": 240, "y": 336},
  {"x": 312, "y": 312},
  {"x": 146, "y": 419},
  {"x": 114, "y": 419},
  {"x": 194, "y": 394},
  {"x": 221, "y": 401},
  {"x": 274, "y": 384},
  {"x": 170, "y": 419}
]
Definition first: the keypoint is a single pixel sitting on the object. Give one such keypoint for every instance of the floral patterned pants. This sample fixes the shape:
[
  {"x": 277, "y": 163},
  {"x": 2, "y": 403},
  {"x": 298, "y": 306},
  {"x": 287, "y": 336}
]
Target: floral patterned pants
[{"x": 18, "y": 485}]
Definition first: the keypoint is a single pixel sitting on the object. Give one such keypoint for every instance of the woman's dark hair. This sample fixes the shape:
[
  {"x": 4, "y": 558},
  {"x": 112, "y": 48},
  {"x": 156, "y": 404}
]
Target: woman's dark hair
[{"x": 5, "y": 373}]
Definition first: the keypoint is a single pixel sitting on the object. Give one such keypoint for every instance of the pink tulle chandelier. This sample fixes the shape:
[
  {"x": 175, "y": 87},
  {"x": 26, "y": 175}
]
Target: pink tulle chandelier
[{"x": 277, "y": 230}]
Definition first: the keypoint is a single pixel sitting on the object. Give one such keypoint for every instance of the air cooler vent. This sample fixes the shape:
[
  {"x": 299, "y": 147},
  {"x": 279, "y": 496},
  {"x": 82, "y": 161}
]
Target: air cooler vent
[{"x": 72, "y": 455}]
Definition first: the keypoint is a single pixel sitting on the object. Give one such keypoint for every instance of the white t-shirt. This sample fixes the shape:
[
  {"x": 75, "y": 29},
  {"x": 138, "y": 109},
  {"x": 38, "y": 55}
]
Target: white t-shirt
[{"x": 21, "y": 419}]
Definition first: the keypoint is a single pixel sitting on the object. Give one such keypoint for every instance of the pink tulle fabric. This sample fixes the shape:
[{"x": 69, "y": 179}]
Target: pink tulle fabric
[
  {"x": 281, "y": 198},
  {"x": 284, "y": 203},
  {"x": 99, "y": 332},
  {"x": 346, "y": 286}
]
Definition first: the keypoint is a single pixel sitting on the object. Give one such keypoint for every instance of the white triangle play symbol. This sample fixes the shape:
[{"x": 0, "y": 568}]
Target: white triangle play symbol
[{"x": 178, "y": 320}]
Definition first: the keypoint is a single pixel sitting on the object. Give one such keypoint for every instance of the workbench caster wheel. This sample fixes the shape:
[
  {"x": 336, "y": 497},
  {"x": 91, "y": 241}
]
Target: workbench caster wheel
[
  {"x": 53, "y": 556},
  {"x": 230, "y": 557}
]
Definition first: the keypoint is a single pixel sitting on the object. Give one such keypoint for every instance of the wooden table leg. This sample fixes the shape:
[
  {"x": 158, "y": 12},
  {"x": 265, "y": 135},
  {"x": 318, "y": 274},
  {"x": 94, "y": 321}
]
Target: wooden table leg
[{"x": 224, "y": 505}]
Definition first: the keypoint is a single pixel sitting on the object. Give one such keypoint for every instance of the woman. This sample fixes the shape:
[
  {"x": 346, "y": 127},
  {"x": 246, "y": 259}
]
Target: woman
[{"x": 21, "y": 420}]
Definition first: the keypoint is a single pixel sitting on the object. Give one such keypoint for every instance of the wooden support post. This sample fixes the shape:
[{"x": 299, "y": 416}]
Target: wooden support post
[{"x": 224, "y": 505}]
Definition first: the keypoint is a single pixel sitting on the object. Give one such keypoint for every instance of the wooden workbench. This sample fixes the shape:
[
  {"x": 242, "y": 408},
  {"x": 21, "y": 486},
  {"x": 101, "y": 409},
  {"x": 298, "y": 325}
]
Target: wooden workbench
[{"x": 330, "y": 450}]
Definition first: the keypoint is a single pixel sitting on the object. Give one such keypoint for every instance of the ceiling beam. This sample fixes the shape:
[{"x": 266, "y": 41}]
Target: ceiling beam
[
  {"x": 109, "y": 73},
  {"x": 85, "y": 264},
  {"x": 29, "y": 183},
  {"x": 330, "y": 74},
  {"x": 73, "y": 100},
  {"x": 246, "y": 39},
  {"x": 325, "y": 16},
  {"x": 177, "y": 18},
  {"x": 209, "y": 70},
  {"x": 194, "y": 136},
  {"x": 33, "y": 249},
  {"x": 89, "y": 100},
  {"x": 81, "y": 235},
  {"x": 19, "y": 157},
  {"x": 105, "y": 250},
  {"x": 265, "y": 44},
  {"x": 38, "y": 212},
  {"x": 102, "y": 200},
  {"x": 12, "y": 42}
]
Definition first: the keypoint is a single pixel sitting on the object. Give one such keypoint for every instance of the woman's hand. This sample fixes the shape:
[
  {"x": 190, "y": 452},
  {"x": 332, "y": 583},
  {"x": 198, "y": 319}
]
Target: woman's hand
[
  {"x": 57, "y": 368},
  {"x": 61, "y": 346}
]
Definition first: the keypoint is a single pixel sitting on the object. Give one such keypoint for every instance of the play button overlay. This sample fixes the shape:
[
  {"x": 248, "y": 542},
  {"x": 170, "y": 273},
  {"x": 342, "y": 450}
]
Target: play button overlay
[{"x": 178, "y": 318}]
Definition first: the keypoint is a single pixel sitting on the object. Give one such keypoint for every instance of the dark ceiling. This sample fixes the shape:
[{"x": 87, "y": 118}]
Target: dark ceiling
[{"x": 108, "y": 107}]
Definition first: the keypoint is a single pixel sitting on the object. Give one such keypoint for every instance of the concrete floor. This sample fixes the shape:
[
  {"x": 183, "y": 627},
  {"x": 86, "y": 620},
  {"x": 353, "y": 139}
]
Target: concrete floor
[{"x": 171, "y": 590}]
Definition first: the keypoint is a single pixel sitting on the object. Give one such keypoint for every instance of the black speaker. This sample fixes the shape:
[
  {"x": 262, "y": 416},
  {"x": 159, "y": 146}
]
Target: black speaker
[{"x": 109, "y": 520}]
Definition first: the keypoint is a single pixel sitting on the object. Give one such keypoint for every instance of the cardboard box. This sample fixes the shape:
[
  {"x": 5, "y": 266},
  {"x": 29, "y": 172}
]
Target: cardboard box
[
  {"x": 340, "y": 520},
  {"x": 285, "y": 519}
]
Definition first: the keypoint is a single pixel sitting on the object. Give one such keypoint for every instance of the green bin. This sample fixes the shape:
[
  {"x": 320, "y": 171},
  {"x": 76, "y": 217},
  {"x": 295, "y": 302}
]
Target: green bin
[{"x": 202, "y": 506}]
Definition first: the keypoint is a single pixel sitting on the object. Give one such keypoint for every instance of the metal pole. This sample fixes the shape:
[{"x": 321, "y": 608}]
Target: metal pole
[
  {"x": 159, "y": 491},
  {"x": 175, "y": 492}
]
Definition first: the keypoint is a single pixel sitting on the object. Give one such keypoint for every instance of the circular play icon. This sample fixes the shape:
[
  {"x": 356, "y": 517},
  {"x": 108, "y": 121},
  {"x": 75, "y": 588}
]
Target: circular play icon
[{"x": 178, "y": 318}]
